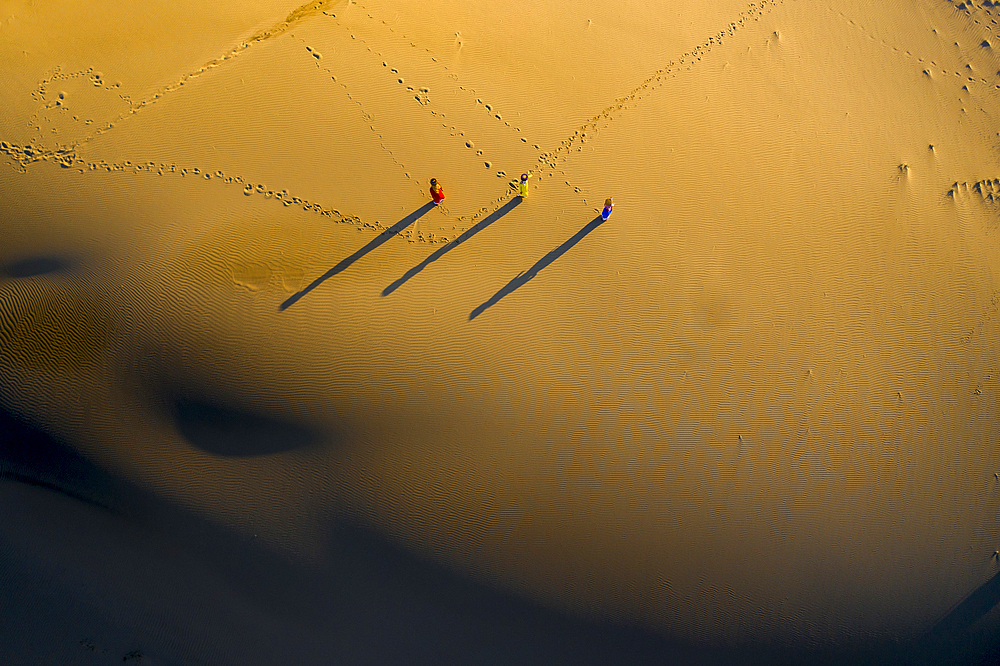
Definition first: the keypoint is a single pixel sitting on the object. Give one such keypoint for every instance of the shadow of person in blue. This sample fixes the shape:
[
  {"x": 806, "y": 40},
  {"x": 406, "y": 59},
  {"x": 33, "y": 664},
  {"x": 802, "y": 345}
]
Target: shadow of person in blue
[
  {"x": 466, "y": 235},
  {"x": 526, "y": 276},
  {"x": 374, "y": 243}
]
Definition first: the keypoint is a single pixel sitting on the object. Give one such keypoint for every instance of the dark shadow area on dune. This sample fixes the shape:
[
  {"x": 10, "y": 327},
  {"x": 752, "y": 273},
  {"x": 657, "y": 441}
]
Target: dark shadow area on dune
[
  {"x": 973, "y": 607},
  {"x": 527, "y": 275},
  {"x": 374, "y": 243},
  {"x": 94, "y": 569},
  {"x": 466, "y": 235},
  {"x": 33, "y": 266},
  {"x": 958, "y": 629},
  {"x": 30, "y": 456},
  {"x": 225, "y": 431},
  {"x": 81, "y": 580}
]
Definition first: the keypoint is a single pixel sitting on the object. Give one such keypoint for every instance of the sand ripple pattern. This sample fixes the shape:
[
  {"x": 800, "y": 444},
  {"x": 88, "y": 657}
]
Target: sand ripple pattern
[{"x": 50, "y": 332}]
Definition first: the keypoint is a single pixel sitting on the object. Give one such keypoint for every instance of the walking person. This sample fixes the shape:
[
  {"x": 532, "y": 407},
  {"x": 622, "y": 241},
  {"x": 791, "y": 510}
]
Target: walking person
[
  {"x": 609, "y": 205},
  {"x": 523, "y": 187},
  {"x": 437, "y": 193}
]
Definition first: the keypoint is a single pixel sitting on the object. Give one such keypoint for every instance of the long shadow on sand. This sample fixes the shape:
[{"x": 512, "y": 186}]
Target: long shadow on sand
[
  {"x": 374, "y": 243},
  {"x": 526, "y": 276},
  {"x": 469, "y": 233}
]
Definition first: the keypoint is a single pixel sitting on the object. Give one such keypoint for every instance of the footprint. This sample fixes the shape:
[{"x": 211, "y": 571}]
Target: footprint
[
  {"x": 252, "y": 277},
  {"x": 292, "y": 279}
]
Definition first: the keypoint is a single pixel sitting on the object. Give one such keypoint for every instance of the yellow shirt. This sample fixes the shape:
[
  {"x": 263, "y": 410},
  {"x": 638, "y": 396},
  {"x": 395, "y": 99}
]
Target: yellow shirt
[{"x": 524, "y": 188}]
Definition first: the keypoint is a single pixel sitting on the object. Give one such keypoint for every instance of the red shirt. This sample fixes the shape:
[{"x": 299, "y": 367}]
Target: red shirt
[{"x": 437, "y": 193}]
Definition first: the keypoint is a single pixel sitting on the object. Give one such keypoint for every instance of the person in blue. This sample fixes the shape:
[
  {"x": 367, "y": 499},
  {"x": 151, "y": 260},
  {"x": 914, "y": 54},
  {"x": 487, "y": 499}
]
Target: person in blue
[{"x": 609, "y": 205}]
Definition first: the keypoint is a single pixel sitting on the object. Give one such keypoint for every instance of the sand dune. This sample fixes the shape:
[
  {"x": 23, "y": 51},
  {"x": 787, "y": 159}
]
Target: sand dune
[{"x": 755, "y": 409}]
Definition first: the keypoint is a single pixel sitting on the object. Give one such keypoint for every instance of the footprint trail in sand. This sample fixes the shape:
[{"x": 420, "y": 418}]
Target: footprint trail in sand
[
  {"x": 550, "y": 162},
  {"x": 67, "y": 155}
]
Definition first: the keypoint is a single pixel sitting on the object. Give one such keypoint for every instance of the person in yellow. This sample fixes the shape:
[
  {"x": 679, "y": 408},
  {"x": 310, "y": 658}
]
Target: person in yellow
[{"x": 523, "y": 188}]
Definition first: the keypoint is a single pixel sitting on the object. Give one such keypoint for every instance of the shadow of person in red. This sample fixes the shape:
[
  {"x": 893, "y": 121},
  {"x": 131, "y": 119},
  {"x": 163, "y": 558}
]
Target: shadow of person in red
[{"x": 374, "y": 243}]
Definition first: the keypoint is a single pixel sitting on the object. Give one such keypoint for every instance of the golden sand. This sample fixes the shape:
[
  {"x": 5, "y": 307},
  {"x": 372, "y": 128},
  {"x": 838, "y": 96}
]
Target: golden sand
[{"x": 758, "y": 404}]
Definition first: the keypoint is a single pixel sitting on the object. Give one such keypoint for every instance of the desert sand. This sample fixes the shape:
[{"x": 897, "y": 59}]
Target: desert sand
[{"x": 756, "y": 411}]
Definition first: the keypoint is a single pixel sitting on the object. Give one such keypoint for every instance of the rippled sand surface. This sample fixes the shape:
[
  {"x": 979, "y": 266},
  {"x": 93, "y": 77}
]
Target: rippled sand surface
[{"x": 262, "y": 402}]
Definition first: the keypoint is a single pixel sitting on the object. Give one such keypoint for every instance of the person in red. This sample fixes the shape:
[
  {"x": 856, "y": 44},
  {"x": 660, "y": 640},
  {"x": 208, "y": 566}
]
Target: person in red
[{"x": 436, "y": 192}]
